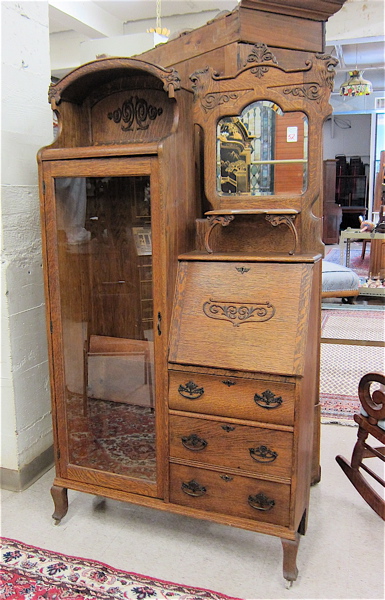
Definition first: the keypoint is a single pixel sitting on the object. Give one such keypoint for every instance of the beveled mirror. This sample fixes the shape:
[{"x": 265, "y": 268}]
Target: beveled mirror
[{"x": 262, "y": 152}]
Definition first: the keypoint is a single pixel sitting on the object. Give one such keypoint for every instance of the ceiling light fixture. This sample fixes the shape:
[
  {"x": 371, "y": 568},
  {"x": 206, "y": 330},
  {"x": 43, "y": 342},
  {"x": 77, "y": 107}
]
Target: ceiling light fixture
[
  {"x": 355, "y": 84},
  {"x": 158, "y": 29}
]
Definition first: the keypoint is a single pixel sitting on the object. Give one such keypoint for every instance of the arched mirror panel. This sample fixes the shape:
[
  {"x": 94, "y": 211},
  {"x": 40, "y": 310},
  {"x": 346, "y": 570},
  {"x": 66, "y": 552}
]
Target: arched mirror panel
[{"x": 262, "y": 152}]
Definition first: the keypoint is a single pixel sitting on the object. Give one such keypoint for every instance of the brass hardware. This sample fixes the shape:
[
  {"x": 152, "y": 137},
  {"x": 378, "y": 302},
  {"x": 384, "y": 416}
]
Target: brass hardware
[
  {"x": 228, "y": 382},
  {"x": 261, "y": 502},
  {"x": 193, "y": 488},
  {"x": 238, "y": 313},
  {"x": 268, "y": 400},
  {"x": 227, "y": 428},
  {"x": 242, "y": 270},
  {"x": 191, "y": 391},
  {"x": 193, "y": 442},
  {"x": 263, "y": 454},
  {"x": 226, "y": 477}
]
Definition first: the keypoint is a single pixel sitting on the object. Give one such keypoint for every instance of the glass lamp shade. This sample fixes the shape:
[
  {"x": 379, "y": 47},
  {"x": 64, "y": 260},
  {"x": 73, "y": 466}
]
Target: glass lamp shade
[{"x": 355, "y": 85}]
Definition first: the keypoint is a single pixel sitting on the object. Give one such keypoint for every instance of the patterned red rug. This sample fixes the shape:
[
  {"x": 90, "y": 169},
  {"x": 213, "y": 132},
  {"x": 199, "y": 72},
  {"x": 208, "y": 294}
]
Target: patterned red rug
[
  {"x": 359, "y": 266},
  {"x": 30, "y": 573}
]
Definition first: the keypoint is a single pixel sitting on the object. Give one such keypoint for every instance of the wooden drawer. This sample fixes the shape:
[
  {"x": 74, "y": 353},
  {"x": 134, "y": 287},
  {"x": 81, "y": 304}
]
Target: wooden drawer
[
  {"x": 253, "y": 449},
  {"x": 232, "y": 495},
  {"x": 234, "y": 397}
]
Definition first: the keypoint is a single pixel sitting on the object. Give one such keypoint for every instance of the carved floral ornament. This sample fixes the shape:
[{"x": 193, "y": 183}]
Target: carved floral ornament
[{"x": 206, "y": 83}]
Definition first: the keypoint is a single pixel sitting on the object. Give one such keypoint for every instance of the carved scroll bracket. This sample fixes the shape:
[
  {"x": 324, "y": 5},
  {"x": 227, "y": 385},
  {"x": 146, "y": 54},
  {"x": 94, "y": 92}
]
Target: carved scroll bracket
[
  {"x": 287, "y": 220},
  {"x": 214, "y": 220}
]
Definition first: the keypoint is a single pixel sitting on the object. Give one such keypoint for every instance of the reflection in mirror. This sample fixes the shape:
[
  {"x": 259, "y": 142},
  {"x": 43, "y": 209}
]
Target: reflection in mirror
[
  {"x": 262, "y": 152},
  {"x": 105, "y": 270}
]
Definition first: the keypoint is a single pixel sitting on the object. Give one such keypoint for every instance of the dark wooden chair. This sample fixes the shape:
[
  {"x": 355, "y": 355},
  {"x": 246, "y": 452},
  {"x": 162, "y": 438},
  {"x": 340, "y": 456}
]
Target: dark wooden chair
[{"x": 373, "y": 403}]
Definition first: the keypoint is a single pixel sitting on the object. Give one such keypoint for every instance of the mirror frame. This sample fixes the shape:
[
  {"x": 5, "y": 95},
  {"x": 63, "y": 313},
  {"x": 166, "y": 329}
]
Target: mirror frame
[{"x": 306, "y": 89}]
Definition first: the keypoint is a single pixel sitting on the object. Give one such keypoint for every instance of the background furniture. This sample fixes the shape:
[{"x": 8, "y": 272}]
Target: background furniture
[
  {"x": 351, "y": 189},
  {"x": 371, "y": 421},
  {"x": 339, "y": 282},
  {"x": 346, "y": 236},
  {"x": 332, "y": 211},
  {"x": 199, "y": 193}
]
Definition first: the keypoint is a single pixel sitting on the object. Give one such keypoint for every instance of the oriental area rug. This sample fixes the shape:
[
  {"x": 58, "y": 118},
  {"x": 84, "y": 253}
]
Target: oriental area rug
[
  {"x": 357, "y": 264},
  {"x": 30, "y": 573},
  {"x": 352, "y": 344}
]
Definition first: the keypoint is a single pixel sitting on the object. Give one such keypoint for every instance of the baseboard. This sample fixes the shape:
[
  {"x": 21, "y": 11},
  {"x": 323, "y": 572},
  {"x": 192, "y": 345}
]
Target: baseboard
[{"x": 17, "y": 481}]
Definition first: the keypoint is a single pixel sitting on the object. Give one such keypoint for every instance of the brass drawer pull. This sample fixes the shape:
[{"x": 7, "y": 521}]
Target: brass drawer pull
[
  {"x": 191, "y": 391},
  {"x": 226, "y": 477},
  {"x": 263, "y": 454},
  {"x": 268, "y": 400},
  {"x": 228, "y": 382},
  {"x": 193, "y": 442},
  {"x": 261, "y": 502},
  {"x": 193, "y": 488}
]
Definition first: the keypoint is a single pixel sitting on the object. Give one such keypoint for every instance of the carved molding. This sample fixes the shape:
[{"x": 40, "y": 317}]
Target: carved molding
[
  {"x": 135, "y": 113},
  {"x": 310, "y": 91},
  {"x": 238, "y": 313},
  {"x": 214, "y": 99}
]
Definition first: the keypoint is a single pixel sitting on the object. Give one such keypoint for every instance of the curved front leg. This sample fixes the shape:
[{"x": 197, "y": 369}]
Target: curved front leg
[
  {"x": 290, "y": 550},
  {"x": 60, "y": 499}
]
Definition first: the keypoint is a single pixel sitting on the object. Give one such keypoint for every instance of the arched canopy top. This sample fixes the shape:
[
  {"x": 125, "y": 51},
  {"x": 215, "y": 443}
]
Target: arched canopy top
[{"x": 81, "y": 82}]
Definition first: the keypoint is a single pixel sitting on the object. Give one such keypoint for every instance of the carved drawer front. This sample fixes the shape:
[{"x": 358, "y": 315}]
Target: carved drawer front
[
  {"x": 242, "y": 316},
  {"x": 234, "y": 397},
  {"x": 229, "y": 494},
  {"x": 252, "y": 449}
]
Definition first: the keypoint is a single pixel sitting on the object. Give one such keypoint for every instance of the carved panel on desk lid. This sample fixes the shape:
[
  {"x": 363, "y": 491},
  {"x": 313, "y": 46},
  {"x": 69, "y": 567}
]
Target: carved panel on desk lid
[{"x": 238, "y": 313}]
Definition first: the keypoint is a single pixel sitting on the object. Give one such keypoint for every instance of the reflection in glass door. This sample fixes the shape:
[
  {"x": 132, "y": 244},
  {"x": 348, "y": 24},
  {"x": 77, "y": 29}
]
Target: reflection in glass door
[{"x": 105, "y": 271}]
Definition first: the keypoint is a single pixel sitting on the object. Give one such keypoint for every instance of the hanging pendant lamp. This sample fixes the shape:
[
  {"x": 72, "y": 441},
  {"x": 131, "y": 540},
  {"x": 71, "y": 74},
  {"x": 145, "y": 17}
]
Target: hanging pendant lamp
[
  {"x": 356, "y": 85},
  {"x": 158, "y": 29}
]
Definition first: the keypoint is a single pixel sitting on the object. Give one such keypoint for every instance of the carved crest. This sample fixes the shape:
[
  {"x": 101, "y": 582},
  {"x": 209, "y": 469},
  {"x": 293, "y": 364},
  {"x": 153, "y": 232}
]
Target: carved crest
[{"x": 261, "y": 54}]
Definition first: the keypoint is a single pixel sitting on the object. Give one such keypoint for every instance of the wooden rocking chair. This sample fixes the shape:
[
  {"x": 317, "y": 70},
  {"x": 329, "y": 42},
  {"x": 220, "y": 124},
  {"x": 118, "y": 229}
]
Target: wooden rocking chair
[{"x": 373, "y": 405}]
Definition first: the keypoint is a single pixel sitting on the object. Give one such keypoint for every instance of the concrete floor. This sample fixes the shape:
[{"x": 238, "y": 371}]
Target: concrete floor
[{"x": 341, "y": 555}]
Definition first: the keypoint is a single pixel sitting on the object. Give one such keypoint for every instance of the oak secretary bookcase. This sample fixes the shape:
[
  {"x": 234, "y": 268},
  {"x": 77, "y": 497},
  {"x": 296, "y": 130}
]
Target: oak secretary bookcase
[{"x": 181, "y": 216}]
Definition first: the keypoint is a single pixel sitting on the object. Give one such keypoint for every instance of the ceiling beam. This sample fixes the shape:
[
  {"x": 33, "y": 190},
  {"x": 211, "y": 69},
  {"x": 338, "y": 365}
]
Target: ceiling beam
[{"x": 86, "y": 18}]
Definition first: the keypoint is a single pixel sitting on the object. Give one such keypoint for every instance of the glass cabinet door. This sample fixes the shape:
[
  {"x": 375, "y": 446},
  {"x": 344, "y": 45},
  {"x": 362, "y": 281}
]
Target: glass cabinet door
[{"x": 105, "y": 277}]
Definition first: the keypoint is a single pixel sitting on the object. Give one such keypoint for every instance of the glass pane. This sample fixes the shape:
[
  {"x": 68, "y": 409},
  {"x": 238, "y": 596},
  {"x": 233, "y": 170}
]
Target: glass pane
[
  {"x": 105, "y": 269},
  {"x": 262, "y": 152}
]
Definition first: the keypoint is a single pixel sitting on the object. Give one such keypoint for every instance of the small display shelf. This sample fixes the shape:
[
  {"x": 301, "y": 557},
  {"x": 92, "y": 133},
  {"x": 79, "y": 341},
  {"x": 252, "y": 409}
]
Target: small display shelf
[{"x": 274, "y": 216}]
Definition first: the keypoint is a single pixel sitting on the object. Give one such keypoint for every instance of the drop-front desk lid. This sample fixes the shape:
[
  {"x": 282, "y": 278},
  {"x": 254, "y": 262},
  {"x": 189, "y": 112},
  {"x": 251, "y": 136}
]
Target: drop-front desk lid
[{"x": 241, "y": 315}]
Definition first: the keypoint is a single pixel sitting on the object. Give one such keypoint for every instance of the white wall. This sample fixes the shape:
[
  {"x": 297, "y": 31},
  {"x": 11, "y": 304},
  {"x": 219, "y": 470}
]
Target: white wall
[
  {"x": 349, "y": 135},
  {"x": 26, "y": 126}
]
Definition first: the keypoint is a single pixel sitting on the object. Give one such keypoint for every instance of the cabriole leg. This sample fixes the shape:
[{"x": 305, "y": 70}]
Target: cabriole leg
[
  {"x": 290, "y": 550},
  {"x": 60, "y": 499}
]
